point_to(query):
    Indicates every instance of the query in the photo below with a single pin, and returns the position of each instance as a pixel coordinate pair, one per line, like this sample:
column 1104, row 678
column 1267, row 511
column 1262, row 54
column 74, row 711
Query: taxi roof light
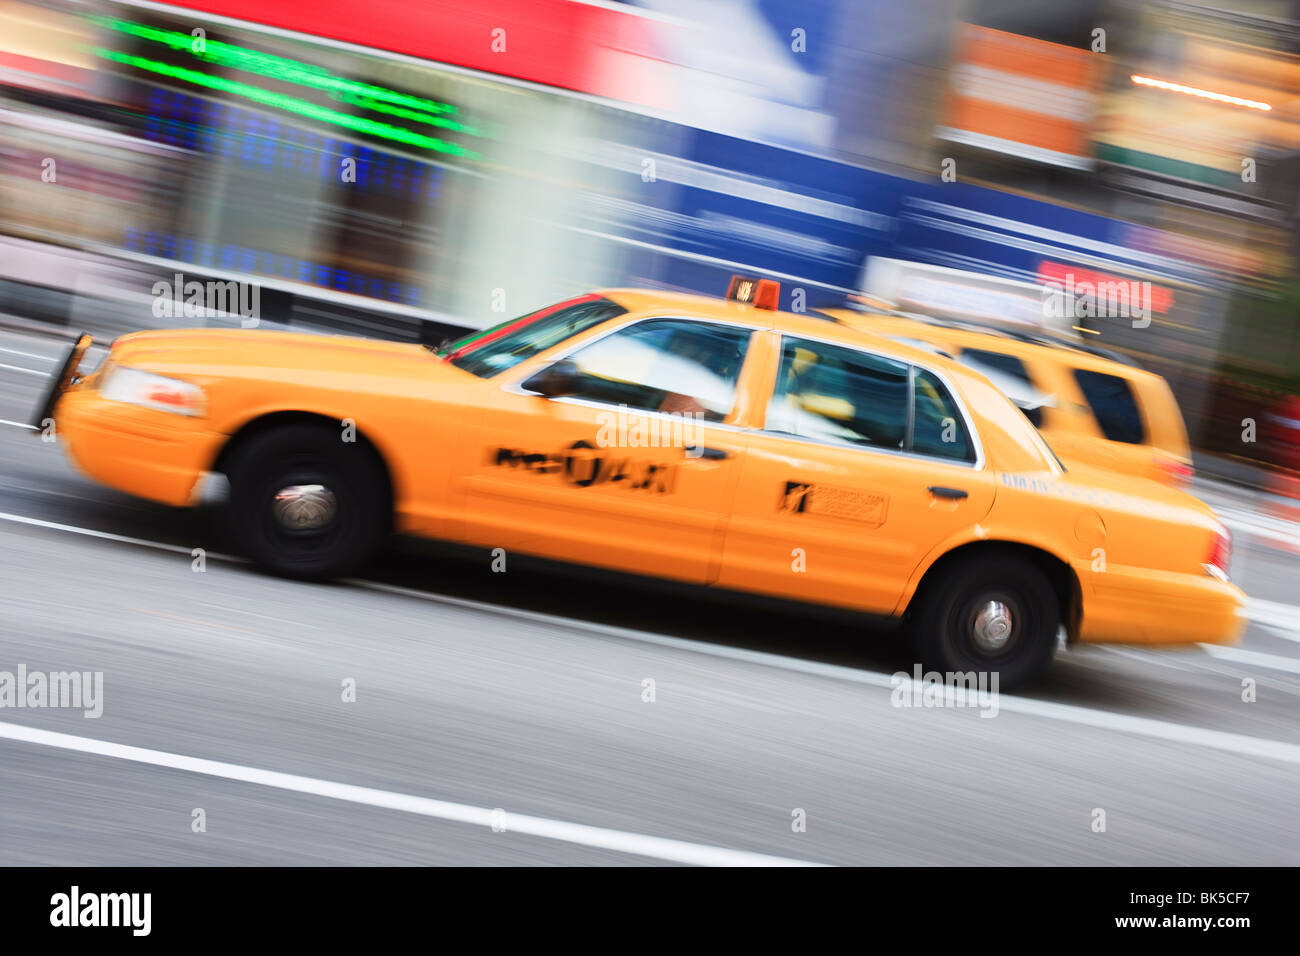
column 760, row 293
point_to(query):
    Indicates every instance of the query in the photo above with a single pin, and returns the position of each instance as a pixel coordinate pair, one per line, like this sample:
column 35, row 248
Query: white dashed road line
column 504, row 823
column 1281, row 619
column 1254, row 658
column 1270, row 528
column 104, row 535
column 41, row 358
column 30, row 371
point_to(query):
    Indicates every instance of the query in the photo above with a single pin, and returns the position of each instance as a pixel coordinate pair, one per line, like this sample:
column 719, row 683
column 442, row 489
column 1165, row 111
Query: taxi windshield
column 489, row 351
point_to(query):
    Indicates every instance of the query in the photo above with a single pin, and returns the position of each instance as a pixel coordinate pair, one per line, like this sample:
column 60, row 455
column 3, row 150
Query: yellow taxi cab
column 1093, row 406
column 708, row 441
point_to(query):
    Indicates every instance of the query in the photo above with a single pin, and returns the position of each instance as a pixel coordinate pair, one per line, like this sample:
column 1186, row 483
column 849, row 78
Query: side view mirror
column 557, row 379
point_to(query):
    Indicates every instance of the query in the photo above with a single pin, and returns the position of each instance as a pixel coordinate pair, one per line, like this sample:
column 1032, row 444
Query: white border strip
column 996, row 144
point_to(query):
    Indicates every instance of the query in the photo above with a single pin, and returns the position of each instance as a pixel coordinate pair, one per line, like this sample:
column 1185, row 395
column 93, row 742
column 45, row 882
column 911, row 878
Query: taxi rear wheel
column 305, row 504
column 985, row 614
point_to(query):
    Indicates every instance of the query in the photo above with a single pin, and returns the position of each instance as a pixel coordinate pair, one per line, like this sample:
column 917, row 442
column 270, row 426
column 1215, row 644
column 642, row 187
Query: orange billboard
column 1014, row 94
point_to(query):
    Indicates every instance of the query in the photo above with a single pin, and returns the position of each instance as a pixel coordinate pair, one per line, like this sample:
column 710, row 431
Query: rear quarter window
column 938, row 428
column 997, row 365
column 1113, row 404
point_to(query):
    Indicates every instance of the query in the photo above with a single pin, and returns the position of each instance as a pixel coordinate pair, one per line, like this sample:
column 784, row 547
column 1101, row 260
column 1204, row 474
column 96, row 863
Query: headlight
column 163, row 394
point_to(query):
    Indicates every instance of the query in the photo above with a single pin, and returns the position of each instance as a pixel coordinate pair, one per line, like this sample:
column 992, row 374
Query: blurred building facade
column 443, row 162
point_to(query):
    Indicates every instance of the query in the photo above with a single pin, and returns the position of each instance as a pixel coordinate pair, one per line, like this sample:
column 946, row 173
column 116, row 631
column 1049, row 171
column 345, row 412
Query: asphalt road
column 499, row 718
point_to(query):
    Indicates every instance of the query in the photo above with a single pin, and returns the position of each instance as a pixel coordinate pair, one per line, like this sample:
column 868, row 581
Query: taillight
column 1176, row 472
column 1220, row 556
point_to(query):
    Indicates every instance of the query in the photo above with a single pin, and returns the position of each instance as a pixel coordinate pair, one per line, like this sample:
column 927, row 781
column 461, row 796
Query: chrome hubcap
column 304, row 507
column 993, row 627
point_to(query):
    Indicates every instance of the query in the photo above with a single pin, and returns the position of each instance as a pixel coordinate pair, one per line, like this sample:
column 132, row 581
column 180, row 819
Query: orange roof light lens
column 760, row 293
column 1203, row 94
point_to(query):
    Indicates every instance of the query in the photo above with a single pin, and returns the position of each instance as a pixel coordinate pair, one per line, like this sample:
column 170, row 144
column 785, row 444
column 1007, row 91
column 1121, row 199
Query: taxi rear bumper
column 1140, row 606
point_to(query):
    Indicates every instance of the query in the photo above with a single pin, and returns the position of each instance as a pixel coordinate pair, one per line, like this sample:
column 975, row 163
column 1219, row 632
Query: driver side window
column 665, row 365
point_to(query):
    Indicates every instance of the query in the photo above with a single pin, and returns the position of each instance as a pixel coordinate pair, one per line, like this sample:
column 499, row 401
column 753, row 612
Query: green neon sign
column 367, row 103
column 291, row 104
column 272, row 67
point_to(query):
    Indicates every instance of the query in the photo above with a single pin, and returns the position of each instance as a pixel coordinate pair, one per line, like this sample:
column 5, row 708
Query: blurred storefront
column 391, row 169
column 1164, row 138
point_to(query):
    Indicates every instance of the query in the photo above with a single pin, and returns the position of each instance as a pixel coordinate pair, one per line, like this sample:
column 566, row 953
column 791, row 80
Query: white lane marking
column 108, row 536
column 1178, row 662
column 29, row 371
column 1201, row 665
column 43, row 358
column 1265, row 525
column 30, row 428
column 1269, row 526
column 620, row 841
column 1286, row 633
column 1255, row 658
column 1282, row 619
column 1240, row 744
column 1203, row 486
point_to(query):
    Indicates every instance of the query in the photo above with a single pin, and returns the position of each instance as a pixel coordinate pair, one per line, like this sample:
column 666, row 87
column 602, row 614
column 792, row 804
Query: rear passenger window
column 1011, row 377
column 937, row 425
column 1113, row 405
column 837, row 394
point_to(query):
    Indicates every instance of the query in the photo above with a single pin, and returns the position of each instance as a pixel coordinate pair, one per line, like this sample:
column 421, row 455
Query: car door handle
column 939, row 491
column 713, row 454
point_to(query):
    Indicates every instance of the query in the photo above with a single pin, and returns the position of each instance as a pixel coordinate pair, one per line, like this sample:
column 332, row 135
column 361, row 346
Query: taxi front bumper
column 141, row 451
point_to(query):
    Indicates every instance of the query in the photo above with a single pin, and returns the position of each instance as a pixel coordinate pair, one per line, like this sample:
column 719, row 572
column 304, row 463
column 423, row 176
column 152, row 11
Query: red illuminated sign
column 1072, row 277
column 557, row 42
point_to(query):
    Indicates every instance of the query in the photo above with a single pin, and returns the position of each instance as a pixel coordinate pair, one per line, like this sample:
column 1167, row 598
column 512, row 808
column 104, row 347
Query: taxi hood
column 218, row 352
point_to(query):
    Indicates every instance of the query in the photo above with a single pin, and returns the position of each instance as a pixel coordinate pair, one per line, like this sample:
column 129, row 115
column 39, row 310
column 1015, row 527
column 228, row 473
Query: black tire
column 352, row 517
column 947, row 610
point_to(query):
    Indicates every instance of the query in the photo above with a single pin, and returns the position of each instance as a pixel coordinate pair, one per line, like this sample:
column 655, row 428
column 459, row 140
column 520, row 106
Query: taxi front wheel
column 992, row 613
column 304, row 504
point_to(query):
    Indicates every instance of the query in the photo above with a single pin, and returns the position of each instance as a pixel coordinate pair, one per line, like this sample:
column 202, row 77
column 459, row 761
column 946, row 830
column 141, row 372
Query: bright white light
column 134, row 387
column 1203, row 94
